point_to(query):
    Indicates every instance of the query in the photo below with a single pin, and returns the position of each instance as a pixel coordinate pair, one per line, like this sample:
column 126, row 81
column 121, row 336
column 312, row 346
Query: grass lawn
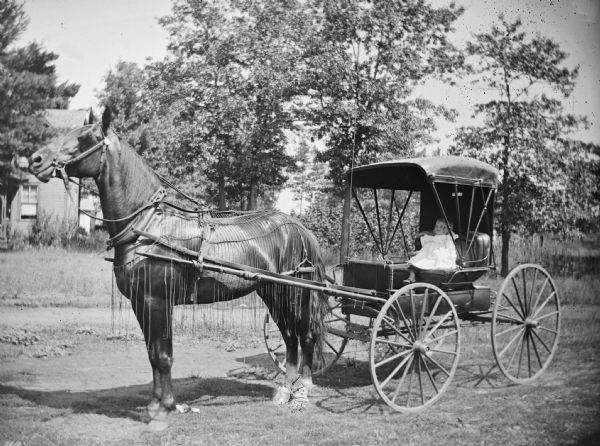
column 51, row 359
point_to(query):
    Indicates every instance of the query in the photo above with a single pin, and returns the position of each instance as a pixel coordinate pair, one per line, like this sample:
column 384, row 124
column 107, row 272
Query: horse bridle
column 61, row 166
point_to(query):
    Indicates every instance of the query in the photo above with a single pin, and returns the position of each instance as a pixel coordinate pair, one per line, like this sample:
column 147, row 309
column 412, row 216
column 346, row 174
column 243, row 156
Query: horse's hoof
column 158, row 425
column 308, row 383
column 153, row 408
column 282, row 396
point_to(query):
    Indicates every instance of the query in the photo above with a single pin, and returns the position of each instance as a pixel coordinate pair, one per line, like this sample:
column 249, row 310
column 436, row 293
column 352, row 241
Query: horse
column 143, row 226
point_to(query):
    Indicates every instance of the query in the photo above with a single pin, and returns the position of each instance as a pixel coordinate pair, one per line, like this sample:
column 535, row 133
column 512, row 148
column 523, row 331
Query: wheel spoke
column 406, row 324
column 539, row 295
column 531, row 291
column 512, row 358
column 518, row 296
column 508, row 319
column 391, row 358
column 542, row 342
column 508, row 330
column 414, row 316
column 445, row 335
column 528, row 353
column 554, row 332
column 438, row 365
column 525, row 307
column 420, row 379
column 433, row 310
column 423, row 309
column 412, row 368
column 447, row 352
column 521, row 353
column 537, row 354
column 513, row 306
column 335, row 318
column 393, row 343
column 387, row 319
column 337, row 353
column 402, row 378
column 519, row 335
column 396, row 370
column 277, row 348
column 449, row 313
column 547, row 315
column 430, row 375
column 550, row 296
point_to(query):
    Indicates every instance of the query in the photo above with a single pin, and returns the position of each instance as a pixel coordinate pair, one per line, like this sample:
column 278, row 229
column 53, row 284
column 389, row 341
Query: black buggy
column 414, row 330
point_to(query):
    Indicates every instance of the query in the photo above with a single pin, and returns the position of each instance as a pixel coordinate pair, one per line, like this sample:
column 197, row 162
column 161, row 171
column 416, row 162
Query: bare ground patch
column 96, row 392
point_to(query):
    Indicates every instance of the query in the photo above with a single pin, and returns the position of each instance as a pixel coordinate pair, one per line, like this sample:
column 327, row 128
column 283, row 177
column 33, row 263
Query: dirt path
column 69, row 380
column 96, row 361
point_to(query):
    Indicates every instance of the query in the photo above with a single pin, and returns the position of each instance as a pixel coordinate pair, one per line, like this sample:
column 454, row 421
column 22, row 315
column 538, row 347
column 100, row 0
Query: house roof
column 67, row 119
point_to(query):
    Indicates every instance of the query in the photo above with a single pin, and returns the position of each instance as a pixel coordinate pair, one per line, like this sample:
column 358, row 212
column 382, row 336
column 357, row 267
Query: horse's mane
column 134, row 166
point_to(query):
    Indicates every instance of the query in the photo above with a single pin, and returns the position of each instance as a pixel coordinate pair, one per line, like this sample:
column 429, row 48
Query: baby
column 437, row 252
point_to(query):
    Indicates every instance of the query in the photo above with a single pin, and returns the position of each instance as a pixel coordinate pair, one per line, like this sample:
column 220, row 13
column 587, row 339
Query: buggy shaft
column 268, row 276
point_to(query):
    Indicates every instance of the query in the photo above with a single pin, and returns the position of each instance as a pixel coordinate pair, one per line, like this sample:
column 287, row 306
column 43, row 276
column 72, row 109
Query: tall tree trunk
column 253, row 195
column 506, row 225
column 507, row 221
column 222, row 201
column 505, row 230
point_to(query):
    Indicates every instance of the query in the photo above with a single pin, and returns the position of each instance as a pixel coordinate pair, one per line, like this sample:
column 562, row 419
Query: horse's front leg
column 154, row 317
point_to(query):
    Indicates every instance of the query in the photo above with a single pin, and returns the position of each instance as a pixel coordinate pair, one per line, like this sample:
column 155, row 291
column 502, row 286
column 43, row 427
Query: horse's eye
column 72, row 150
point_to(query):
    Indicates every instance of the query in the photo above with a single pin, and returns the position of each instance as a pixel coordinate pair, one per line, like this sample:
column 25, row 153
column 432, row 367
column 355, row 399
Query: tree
column 362, row 63
column 122, row 93
column 28, row 85
column 525, row 133
column 233, row 62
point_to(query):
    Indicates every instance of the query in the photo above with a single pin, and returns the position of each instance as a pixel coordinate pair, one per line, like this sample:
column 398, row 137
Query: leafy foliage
column 363, row 61
column 28, row 85
column 231, row 66
column 546, row 182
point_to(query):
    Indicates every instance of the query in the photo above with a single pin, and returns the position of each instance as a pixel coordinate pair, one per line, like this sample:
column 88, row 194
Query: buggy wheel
column 420, row 324
column 525, row 323
column 333, row 346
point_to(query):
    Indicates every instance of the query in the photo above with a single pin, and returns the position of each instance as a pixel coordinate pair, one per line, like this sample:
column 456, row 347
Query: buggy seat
column 384, row 276
column 472, row 259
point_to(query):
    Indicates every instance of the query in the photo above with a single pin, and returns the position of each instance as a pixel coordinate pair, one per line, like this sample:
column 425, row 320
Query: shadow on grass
column 347, row 387
column 130, row 401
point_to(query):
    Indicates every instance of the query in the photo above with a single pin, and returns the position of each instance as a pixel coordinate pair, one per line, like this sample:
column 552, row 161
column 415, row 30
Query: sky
column 91, row 36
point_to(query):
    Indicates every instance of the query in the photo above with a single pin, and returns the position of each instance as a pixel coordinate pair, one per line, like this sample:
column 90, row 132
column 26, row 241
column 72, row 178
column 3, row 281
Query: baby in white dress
column 437, row 252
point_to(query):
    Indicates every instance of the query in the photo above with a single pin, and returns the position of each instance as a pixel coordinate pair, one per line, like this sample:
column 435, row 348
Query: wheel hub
column 531, row 323
column 421, row 347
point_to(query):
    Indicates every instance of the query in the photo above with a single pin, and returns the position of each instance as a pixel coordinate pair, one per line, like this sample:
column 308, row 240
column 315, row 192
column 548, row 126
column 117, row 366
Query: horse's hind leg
column 155, row 320
column 307, row 344
column 280, row 305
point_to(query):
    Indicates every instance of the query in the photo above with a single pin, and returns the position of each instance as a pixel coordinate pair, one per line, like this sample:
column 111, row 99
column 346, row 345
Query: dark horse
column 132, row 200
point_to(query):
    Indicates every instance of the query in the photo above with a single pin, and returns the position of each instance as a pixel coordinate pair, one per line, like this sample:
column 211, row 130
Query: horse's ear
column 91, row 119
column 106, row 119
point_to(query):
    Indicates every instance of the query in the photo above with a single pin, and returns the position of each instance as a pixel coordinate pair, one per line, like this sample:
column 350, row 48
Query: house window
column 29, row 201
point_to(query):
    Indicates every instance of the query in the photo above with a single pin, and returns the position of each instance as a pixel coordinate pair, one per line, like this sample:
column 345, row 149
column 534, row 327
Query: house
column 23, row 197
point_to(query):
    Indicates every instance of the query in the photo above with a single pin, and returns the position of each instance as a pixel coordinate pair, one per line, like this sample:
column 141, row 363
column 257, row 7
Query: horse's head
column 79, row 153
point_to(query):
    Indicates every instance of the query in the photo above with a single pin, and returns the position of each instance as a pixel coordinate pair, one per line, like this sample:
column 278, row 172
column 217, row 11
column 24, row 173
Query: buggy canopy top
column 417, row 173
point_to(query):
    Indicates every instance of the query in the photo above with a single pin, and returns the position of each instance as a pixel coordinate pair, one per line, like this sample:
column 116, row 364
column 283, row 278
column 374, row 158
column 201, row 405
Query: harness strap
column 117, row 239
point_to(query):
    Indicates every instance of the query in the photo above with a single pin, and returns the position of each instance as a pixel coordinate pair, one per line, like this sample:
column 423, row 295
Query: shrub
column 47, row 231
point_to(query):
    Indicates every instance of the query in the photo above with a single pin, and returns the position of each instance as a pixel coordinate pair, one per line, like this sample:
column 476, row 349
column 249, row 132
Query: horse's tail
column 318, row 308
